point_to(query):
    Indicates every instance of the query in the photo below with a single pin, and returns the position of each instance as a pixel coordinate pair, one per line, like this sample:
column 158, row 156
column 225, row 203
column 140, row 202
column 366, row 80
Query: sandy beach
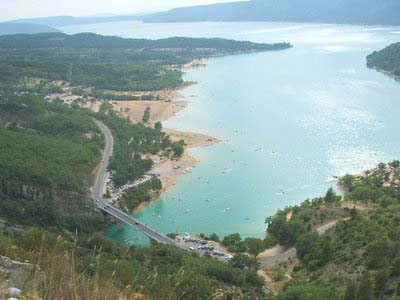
column 173, row 103
column 169, row 170
column 159, row 110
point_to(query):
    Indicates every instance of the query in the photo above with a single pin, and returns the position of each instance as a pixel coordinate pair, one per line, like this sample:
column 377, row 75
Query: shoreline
column 168, row 171
column 174, row 102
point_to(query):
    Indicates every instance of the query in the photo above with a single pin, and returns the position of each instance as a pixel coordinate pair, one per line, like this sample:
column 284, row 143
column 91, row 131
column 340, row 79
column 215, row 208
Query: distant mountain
column 27, row 28
column 60, row 21
column 368, row 12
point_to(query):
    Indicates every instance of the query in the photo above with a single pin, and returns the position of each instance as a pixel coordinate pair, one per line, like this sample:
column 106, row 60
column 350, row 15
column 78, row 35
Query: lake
column 289, row 121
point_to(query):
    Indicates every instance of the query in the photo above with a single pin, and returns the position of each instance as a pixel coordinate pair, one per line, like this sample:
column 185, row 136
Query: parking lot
column 204, row 247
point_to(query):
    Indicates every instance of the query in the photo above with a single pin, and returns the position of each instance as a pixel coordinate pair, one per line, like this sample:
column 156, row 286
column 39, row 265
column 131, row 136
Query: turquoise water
column 289, row 120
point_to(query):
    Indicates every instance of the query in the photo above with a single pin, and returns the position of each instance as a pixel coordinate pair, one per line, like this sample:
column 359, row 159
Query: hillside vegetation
column 358, row 260
column 387, row 59
column 109, row 63
column 47, row 155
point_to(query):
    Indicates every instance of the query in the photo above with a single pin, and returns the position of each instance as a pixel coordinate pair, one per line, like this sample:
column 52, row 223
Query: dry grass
column 59, row 279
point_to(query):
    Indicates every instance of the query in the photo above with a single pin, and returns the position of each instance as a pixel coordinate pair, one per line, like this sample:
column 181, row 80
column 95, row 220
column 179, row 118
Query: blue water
column 289, row 121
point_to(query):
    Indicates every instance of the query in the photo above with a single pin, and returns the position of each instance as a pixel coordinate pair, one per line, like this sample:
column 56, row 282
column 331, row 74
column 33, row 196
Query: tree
column 243, row 261
column 299, row 290
column 286, row 232
column 305, row 242
column 254, row 246
column 213, row 237
column 351, row 292
column 146, row 115
column 156, row 184
column 158, row 126
column 348, row 182
column 331, row 197
column 396, row 267
column 231, row 240
column 381, row 279
column 178, row 149
column 365, row 291
column 353, row 213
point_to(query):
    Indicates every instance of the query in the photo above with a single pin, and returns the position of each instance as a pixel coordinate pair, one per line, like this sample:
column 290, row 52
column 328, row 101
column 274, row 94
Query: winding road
column 100, row 186
column 292, row 253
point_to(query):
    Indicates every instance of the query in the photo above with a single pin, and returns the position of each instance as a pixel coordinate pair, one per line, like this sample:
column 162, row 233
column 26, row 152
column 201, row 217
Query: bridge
column 99, row 188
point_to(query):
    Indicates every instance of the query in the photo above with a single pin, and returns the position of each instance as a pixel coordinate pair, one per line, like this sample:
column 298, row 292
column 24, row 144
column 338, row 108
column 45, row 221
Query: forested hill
column 106, row 62
column 387, row 60
column 27, row 28
column 91, row 40
column 60, row 21
column 360, row 258
column 371, row 12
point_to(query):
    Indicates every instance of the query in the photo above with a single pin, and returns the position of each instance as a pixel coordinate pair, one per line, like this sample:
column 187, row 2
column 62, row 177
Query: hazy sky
column 13, row 9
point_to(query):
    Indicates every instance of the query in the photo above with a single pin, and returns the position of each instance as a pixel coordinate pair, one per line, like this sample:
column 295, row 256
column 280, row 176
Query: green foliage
column 141, row 193
column 234, row 243
column 118, row 97
column 351, row 292
column 178, row 148
column 331, row 197
column 305, row 242
column 278, row 275
column 212, row 237
column 146, row 115
column 158, row 126
column 254, row 246
column 131, row 142
column 49, row 144
column 365, row 291
column 347, row 182
column 286, row 231
column 363, row 250
column 243, row 261
column 297, row 290
column 387, row 59
column 92, row 60
column 158, row 271
column 270, row 241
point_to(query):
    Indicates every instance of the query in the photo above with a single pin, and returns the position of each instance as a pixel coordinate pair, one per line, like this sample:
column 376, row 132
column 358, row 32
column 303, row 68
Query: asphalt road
column 291, row 253
column 99, row 188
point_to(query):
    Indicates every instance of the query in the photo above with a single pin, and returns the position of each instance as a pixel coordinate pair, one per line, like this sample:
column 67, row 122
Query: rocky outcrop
column 14, row 274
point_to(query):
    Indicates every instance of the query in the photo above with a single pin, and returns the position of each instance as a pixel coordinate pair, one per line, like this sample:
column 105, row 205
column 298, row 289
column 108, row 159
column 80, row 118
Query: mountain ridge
column 367, row 12
column 25, row 28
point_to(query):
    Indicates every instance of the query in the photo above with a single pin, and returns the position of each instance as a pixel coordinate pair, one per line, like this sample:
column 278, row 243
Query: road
column 291, row 253
column 100, row 186
column 101, row 180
